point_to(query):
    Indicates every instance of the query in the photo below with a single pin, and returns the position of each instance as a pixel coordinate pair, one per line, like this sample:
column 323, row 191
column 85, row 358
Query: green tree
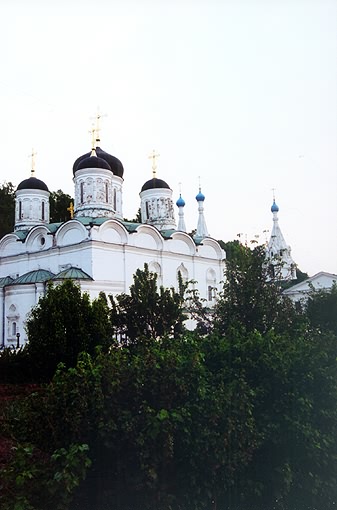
column 7, row 208
column 35, row 481
column 251, row 297
column 59, row 203
column 165, row 427
column 321, row 309
column 63, row 324
column 148, row 312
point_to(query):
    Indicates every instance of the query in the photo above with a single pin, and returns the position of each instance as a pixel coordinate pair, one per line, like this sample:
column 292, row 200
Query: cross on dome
column 154, row 156
column 97, row 118
column 32, row 156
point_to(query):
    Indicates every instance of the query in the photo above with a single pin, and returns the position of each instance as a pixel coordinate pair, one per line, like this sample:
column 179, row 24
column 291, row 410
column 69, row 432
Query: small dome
column 32, row 183
column 93, row 162
column 114, row 164
column 180, row 202
column 274, row 207
column 37, row 276
column 200, row 197
column 155, row 183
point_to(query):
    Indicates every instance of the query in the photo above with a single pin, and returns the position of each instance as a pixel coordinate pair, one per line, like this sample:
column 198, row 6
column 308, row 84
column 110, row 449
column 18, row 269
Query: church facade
column 97, row 247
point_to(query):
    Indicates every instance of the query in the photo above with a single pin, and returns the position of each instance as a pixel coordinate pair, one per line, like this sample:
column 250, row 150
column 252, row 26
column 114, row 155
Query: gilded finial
column 32, row 156
column 71, row 210
column 97, row 118
column 93, row 138
column 154, row 156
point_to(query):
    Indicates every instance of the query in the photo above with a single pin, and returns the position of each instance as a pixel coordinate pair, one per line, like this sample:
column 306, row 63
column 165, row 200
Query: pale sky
column 242, row 93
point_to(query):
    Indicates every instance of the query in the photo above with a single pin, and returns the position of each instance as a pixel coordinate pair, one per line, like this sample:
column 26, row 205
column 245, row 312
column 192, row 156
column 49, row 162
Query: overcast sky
column 240, row 93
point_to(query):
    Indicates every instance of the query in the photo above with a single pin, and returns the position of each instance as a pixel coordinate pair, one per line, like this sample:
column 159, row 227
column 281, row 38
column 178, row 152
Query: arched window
column 211, row 284
column 184, row 273
column 154, row 267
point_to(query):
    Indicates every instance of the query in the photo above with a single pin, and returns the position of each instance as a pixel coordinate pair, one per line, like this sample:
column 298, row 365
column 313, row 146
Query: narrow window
column 82, row 191
column 42, row 212
column 210, row 296
column 147, row 210
column 20, row 209
column 115, row 199
column 106, row 192
column 13, row 328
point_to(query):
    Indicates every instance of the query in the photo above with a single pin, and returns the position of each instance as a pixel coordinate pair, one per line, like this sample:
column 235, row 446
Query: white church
column 102, row 251
column 97, row 247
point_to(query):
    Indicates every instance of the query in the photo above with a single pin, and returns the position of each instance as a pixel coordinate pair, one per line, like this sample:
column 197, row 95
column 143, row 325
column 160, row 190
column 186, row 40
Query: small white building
column 320, row 281
column 97, row 247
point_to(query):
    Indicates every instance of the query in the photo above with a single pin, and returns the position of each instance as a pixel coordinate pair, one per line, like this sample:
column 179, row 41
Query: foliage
column 251, row 298
column 245, row 420
column 233, row 249
column 15, row 366
column 146, row 311
column 7, row 208
column 59, row 203
column 294, row 380
column 63, row 324
column 36, row 481
column 321, row 309
column 163, row 427
column 243, row 415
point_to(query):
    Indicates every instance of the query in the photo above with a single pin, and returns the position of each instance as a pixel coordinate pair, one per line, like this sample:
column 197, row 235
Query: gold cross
column 71, row 210
column 93, row 139
column 98, row 126
column 154, row 156
column 32, row 155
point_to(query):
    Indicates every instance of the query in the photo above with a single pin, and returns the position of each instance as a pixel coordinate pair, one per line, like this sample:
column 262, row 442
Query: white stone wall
column 110, row 255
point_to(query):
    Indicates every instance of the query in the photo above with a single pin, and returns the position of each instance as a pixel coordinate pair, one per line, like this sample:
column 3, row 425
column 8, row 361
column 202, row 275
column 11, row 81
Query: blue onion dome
column 115, row 166
column 200, row 196
column 155, row 183
column 180, row 202
column 32, row 183
column 274, row 207
column 93, row 162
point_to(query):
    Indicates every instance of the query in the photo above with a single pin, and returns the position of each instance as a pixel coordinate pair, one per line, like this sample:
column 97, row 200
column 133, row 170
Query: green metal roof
column 73, row 273
column 167, row 234
column 6, row 280
column 21, row 234
column 38, row 276
column 130, row 227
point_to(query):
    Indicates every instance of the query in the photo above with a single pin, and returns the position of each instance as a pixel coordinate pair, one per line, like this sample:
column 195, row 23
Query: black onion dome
column 155, row 183
column 32, row 183
column 93, row 162
column 114, row 164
